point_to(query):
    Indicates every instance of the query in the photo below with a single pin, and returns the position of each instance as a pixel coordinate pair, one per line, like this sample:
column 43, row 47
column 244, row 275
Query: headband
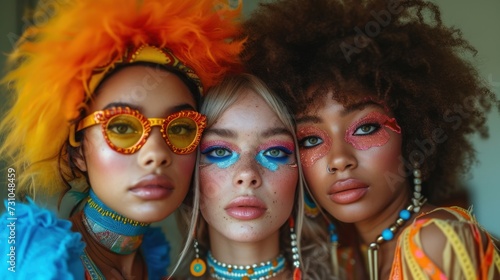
column 144, row 53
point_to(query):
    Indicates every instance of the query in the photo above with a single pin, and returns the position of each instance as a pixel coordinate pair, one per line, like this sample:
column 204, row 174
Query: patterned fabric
column 468, row 252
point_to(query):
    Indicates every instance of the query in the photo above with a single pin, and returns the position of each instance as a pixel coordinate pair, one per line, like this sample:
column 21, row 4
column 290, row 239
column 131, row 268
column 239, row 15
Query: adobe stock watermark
column 372, row 29
column 11, row 219
column 427, row 147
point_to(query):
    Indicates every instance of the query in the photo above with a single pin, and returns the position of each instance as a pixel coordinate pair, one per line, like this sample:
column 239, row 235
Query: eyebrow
column 229, row 133
column 174, row 109
column 359, row 106
column 308, row 119
column 275, row 131
column 220, row 132
column 122, row 104
column 347, row 110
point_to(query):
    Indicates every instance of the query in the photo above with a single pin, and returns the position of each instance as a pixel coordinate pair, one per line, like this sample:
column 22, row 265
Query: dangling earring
column 297, row 273
column 418, row 199
column 198, row 265
column 310, row 208
column 334, row 243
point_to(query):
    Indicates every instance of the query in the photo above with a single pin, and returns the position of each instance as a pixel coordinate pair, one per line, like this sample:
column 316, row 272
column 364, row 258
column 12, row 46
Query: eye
column 122, row 128
column 367, row 129
column 310, row 141
column 217, row 152
column 277, row 153
column 180, row 129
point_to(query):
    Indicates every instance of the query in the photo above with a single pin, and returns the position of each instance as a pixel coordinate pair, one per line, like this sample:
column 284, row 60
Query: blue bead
column 331, row 227
column 334, row 238
column 404, row 214
column 387, row 234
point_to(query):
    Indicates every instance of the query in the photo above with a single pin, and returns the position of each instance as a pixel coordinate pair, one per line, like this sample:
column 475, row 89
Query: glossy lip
column 152, row 187
column 347, row 191
column 246, row 208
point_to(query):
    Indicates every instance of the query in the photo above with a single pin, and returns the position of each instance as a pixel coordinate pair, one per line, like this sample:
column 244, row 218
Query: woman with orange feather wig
column 88, row 88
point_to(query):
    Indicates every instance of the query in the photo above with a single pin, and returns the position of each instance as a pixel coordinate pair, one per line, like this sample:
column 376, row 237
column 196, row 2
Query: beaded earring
column 334, row 243
column 310, row 208
column 297, row 273
column 198, row 265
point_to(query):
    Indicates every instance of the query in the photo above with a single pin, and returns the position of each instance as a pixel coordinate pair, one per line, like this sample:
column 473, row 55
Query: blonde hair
column 216, row 102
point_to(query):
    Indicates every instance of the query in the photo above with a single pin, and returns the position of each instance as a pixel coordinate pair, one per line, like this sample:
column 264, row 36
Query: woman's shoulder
column 443, row 226
column 452, row 213
column 39, row 244
column 447, row 233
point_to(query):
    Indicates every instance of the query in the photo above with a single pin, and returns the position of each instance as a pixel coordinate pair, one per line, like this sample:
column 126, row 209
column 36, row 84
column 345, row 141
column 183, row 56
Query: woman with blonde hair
column 249, row 190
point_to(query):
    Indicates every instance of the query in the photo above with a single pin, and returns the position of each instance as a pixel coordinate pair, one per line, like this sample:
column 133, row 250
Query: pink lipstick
column 246, row 208
column 347, row 191
column 152, row 187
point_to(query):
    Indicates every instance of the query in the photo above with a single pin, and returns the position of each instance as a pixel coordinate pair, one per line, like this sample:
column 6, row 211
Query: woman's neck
column 112, row 245
column 255, row 259
column 113, row 231
column 372, row 227
column 243, row 252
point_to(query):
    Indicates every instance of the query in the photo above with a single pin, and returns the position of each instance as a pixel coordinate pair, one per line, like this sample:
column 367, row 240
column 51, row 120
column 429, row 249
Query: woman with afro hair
column 374, row 87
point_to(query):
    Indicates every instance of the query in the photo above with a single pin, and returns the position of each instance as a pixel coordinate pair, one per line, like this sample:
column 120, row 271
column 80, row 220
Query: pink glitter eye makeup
column 314, row 144
column 369, row 131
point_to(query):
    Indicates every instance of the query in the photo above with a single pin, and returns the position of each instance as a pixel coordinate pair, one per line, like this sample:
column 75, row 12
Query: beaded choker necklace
column 114, row 231
column 263, row 270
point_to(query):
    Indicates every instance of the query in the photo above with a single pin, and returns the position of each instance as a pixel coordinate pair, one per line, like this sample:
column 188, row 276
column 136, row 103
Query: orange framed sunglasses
column 127, row 130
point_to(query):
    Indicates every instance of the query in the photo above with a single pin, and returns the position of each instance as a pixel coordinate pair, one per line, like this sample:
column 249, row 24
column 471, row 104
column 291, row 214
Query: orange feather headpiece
column 61, row 61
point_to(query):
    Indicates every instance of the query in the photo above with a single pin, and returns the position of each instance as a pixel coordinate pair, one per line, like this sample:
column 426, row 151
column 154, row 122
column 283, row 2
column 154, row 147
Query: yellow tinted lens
column 124, row 131
column 181, row 132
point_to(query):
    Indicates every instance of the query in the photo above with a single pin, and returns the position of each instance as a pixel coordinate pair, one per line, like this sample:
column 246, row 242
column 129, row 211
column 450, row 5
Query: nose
column 247, row 173
column 155, row 152
column 342, row 157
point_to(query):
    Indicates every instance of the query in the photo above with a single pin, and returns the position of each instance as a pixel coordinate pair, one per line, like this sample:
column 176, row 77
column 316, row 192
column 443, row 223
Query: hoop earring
column 329, row 170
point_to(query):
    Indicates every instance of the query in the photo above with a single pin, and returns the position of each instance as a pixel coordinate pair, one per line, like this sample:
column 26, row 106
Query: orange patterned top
column 468, row 251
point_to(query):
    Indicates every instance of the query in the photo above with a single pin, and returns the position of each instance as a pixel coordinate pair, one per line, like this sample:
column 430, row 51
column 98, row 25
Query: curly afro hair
column 397, row 51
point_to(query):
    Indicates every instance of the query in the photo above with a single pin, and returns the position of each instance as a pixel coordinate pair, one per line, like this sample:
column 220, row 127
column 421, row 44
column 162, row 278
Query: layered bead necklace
column 388, row 234
column 263, row 270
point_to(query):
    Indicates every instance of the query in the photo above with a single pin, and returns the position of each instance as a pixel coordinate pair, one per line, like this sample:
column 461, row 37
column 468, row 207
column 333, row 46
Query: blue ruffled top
column 42, row 246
